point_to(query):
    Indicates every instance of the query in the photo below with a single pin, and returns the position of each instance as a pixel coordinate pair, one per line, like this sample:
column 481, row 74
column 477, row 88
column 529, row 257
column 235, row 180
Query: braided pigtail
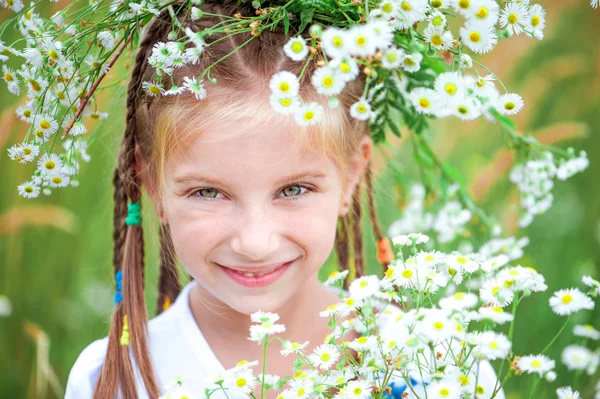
column 385, row 255
column 359, row 259
column 129, row 322
column 168, row 281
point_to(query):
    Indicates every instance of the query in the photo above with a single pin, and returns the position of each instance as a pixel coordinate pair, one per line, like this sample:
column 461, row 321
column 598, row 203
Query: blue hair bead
column 119, row 295
column 133, row 214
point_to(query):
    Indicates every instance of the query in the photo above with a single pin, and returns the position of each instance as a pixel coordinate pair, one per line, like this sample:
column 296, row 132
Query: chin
column 252, row 304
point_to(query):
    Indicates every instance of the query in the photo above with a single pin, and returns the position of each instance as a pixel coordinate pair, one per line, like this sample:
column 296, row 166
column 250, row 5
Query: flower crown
column 416, row 70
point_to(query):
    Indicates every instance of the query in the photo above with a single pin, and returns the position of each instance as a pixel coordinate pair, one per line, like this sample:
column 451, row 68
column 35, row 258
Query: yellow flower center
column 450, row 88
column 309, row 115
column 459, row 296
column 53, row 54
column 364, row 283
column 535, row 20
column 361, row 40
column 8, row 77
column 27, row 151
column 332, row 274
column 423, row 102
column 438, row 325
column 436, row 3
column 513, row 18
column 325, row 357
column 464, row 4
column 301, row 391
column 406, row 6
column 362, row 340
column 297, row 47
column 28, row 189
column 475, row 37
column 407, row 273
column 482, row 13
column 463, row 379
column 338, row 42
column 345, row 67
column 56, row 180
column 509, row 106
column 284, row 86
column 493, row 345
column 566, row 299
column 480, row 390
column 387, row 8
column 27, row 113
column 495, row 291
column 409, row 61
column 437, row 21
column 357, row 391
column 154, row 89
column 285, row 102
column 241, row 382
column 463, row 110
column 389, row 272
column 444, row 392
column 436, row 40
column 50, row 165
column 391, row 57
column 536, row 363
column 328, row 81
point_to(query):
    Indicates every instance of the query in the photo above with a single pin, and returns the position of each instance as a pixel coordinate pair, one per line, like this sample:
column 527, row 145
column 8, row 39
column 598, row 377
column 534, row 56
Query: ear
column 356, row 168
column 142, row 171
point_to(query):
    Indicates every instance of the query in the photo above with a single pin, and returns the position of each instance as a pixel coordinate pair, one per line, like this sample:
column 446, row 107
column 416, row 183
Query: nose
column 255, row 234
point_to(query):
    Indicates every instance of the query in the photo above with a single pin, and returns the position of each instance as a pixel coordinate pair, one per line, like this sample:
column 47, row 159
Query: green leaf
column 331, row 323
column 286, row 22
column 394, row 128
column 306, row 17
column 298, row 364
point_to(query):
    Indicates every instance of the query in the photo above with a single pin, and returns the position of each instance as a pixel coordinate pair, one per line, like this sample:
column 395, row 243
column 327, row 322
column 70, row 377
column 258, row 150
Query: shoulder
column 86, row 370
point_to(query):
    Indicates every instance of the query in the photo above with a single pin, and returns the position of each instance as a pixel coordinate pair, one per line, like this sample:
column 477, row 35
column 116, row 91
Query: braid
column 117, row 371
column 341, row 243
column 385, row 254
column 359, row 260
column 168, row 282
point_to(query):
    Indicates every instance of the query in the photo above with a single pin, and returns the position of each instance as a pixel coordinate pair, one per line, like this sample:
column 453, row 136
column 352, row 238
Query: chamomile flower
column 412, row 62
column 335, row 42
column 284, row 84
column 362, row 40
column 464, row 263
column 358, row 389
column 568, row 301
column 392, row 58
column 465, row 107
column 437, row 19
column 510, row 104
column 466, row 61
column 264, row 317
column 463, row 7
column 536, row 18
column 459, row 300
column 494, row 263
column 444, row 389
column 494, row 313
column 383, row 34
column 540, row 364
column 283, row 105
column 595, row 4
column 410, row 239
column 331, row 310
column 577, row 357
column 106, row 39
column 327, row 82
column 388, row 8
column 308, row 114
column 590, row 282
column 480, row 38
column 325, row 356
column 50, row 163
column 494, row 293
column 243, row 381
column 439, row 38
column 361, row 110
column 11, row 79
column 29, row 189
column 404, row 277
column 587, row 331
column 436, row 326
column 336, row 276
column 364, row 287
column 174, row 90
column 153, row 89
column 296, row 48
column 567, row 393
column 292, row 347
column 58, row 180
column 346, row 68
column 450, row 85
column 178, row 393
column 412, row 11
column 486, row 12
column 514, row 17
column 192, row 85
column 490, row 345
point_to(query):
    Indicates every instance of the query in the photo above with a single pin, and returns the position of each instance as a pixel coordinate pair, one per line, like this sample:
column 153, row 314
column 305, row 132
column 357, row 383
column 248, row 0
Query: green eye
column 211, row 192
column 292, row 190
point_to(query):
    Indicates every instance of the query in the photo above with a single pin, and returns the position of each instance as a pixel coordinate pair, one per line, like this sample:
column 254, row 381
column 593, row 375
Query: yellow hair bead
column 125, row 333
column 166, row 302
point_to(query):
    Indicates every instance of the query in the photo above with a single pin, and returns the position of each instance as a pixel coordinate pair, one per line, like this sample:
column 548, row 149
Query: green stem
column 557, row 335
column 534, row 386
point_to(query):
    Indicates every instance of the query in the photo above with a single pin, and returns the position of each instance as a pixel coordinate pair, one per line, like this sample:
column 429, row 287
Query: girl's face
column 250, row 203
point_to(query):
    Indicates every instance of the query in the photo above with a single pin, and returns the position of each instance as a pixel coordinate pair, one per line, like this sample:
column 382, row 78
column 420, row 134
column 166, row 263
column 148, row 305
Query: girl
column 249, row 202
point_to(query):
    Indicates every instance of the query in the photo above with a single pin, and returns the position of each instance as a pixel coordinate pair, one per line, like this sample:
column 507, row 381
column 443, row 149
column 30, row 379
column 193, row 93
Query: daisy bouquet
column 427, row 329
column 417, row 69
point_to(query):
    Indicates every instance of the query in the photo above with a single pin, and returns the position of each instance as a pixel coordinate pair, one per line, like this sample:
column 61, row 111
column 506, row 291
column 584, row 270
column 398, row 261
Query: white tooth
column 248, row 274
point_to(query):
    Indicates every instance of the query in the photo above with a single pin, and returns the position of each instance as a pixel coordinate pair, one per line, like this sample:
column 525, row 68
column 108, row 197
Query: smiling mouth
column 257, row 279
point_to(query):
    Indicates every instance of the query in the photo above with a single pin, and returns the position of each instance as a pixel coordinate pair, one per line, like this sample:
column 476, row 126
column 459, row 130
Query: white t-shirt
column 177, row 349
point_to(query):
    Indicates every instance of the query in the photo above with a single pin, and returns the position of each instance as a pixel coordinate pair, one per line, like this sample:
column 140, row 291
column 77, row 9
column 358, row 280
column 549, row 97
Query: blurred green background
column 56, row 251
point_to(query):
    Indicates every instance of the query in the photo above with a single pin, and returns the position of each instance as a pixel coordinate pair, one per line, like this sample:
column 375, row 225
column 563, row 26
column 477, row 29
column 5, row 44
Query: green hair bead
column 133, row 214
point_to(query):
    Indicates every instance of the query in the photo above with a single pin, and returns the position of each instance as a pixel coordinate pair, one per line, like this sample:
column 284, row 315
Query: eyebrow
column 208, row 180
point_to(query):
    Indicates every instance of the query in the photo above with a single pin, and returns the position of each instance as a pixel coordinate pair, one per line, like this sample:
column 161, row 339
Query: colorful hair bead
column 133, row 214
column 125, row 333
column 119, row 293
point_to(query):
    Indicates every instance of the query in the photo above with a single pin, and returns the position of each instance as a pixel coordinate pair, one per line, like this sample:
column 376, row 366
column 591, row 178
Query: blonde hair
column 160, row 126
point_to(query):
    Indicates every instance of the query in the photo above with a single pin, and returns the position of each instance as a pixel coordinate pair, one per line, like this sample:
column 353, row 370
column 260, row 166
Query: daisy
column 491, row 345
column 587, row 331
column 383, row 33
column 331, row 310
column 363, row 343
column 361, row 110
column 95, row 63
column 174, row 90
column 412, row 62
column 29, row 189
column 346, row 68
column 46, row 124
column 11, row 80
column 464, row 263
column 192, row 55
column 404, row 277
column 577, row 357
column 495, row 314
column 58, row 180
column 494, row 293
column 266, row 328
column 325, row 356
column 513, row 17
column 435, row 326
column 326, row 81
column 568, row 301
column 50, row 163
column 268, row 379
column 479, row 38
column 465, row 108
column 336, row 276
column 463, row 7
column 438, row 38
column 567, row 393
column 450, row 85
column 485, row 12
column 364, row 287
column 540, row 364
column 242, row 381
column 409, row 239
column 362, row 40
column 192, row 85
column 284, row 84
column 241, row 365
column 195, row 38
column 392, row 58
column 494, row 263
column 358, row 389
column 590, row 282
column 179, row 393
column 153, row 89
column 510, row 104
column 296, row 48
column 292, row 347
column 595, row 4
column 26, row 111
column 106, row 39
column 388, row 8
column 308, row 114
column 283, row 105
column 411, row 11
column 536, row 18
column 444, row 389
column 466, row 61
column 459, row 300
column 335, row 42
column 439, row 4
column 264, row 317
column 437, row 19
